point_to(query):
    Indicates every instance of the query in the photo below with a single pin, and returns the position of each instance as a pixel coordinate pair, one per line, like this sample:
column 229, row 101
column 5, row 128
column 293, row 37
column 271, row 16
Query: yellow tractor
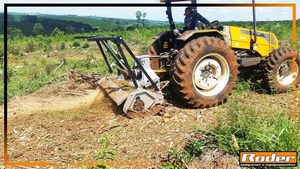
column 202, row 65
column 205, row 62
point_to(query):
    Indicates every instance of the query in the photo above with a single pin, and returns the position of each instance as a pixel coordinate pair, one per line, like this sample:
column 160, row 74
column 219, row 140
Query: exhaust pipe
column 254, row 24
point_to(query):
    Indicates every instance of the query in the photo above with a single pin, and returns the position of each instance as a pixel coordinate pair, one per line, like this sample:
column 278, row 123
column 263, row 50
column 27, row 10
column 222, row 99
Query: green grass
column 37, row 72
column 28, row 75
column 242, row 127
column 248, row 129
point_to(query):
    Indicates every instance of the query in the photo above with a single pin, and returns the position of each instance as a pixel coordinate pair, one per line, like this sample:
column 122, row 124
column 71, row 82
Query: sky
column 158, row 13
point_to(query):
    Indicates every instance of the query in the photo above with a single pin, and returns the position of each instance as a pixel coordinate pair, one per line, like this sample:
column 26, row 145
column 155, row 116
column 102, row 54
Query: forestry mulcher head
column 137, row 89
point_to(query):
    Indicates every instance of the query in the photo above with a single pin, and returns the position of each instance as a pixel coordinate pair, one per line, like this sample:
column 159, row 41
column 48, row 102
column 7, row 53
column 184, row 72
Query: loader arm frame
column 119, row 56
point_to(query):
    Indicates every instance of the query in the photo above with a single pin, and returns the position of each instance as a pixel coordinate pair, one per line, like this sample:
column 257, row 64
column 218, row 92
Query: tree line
column 30, row 25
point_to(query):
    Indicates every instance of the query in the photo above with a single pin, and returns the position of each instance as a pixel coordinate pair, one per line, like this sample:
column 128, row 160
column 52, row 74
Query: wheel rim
column 285, row 73
column 211, row 74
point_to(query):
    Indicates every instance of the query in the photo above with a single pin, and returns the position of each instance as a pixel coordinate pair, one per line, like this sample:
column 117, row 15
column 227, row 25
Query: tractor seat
column 220, row 28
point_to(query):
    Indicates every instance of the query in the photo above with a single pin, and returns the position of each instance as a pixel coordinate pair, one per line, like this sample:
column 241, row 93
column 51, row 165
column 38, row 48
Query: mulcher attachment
column 139, row 92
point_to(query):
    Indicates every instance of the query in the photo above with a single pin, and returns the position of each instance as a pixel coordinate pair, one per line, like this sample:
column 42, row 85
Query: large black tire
column 279, row 62
column 195, row 53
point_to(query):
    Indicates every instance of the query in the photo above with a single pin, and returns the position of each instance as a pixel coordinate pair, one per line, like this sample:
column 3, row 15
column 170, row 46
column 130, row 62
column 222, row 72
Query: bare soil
column 63, row 121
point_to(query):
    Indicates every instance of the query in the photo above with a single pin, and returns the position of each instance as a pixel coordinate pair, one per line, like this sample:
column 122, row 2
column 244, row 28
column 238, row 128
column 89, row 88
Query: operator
column 193, row 16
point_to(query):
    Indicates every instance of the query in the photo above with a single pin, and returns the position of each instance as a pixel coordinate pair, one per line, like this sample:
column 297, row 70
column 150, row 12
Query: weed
column 62, row 46
column 86, row 45
column 10, row 73
column 242, row 86
column 30, row 47
column 76, row 44
column 15, row 50
column 195, row 147
column 104, row 153
column 49, row 67
column 47, row 45
column 179, row 160
column 251, row 80
column 247, row 129
column 1, row 55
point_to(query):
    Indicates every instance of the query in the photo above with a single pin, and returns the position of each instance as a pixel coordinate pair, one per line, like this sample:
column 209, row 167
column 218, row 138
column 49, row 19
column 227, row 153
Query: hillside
column 105, row 23
column 70, row 24
column 33, row 25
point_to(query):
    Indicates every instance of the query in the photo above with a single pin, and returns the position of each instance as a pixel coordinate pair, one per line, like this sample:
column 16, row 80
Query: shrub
column 76, row 44
column 62, row 46
column 30, row 47
column 105, row 153
column 47, row 45
column 86, row 45
column 40, row 45
column 15, row 50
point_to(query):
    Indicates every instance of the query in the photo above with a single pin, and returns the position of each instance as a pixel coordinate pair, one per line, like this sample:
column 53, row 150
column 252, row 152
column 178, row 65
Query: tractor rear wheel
column 281, row 71
column 205, row 72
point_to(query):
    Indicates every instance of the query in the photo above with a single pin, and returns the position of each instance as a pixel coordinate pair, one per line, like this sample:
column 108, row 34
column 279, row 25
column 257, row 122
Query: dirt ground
column 63, row 122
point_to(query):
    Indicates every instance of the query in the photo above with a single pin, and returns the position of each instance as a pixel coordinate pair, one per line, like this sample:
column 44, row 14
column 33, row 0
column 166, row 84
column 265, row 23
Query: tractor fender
column 162, row 43
column 194, row 34
column 161, row 34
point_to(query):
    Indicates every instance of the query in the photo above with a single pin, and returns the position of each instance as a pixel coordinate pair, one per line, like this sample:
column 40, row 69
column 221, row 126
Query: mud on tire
column 154, row 62
column 278, row 70
column 190, row 62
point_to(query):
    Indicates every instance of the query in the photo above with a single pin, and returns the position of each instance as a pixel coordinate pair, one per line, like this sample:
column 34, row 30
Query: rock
column 18, row 67
column 18, row 155
column 167, row 115
column 54, row 53
column 32, row 135
column 83, row 52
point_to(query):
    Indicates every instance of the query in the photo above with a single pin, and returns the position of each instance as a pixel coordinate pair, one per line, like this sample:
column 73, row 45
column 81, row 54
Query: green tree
column 14, row 33
column 29, row 19
column 38, row 29
column 70, row 30
column 144, row 16
column 57, row 32
column 140, row 17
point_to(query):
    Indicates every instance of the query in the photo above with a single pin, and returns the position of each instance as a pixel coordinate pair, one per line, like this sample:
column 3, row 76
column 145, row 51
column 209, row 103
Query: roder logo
column 266, row 158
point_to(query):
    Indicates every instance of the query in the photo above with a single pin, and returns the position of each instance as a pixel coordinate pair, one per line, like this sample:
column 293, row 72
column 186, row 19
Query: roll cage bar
column 194, row 2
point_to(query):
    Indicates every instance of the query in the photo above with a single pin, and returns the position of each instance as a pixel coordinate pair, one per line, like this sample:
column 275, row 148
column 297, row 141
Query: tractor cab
column 175, row 39
column 248, row 43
